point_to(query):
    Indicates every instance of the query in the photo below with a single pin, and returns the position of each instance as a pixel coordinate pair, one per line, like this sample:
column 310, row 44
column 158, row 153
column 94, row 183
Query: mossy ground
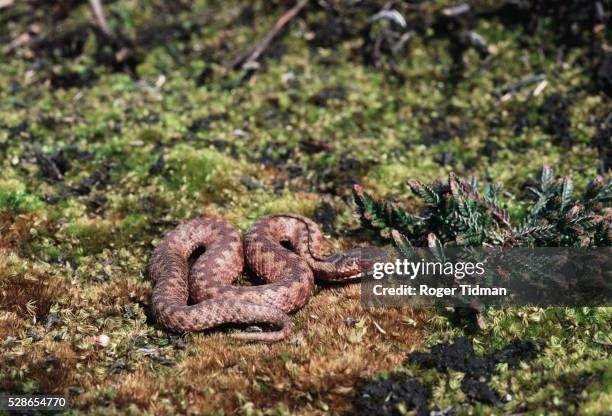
column 139, row 152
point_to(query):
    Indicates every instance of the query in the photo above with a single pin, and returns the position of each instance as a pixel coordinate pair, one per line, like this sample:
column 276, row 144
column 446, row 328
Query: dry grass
column 336, row 344
column 26, row 288
column 15, row 229
column 51, row 363
column 10, row 324
column 314, row 370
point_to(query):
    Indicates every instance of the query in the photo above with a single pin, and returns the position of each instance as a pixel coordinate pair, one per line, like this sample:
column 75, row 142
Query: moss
column 203, row 171
column 391, row 178
column 296, row 203
column 14, row 198
column 134, row 225
column 171, row 134
column 89, row 236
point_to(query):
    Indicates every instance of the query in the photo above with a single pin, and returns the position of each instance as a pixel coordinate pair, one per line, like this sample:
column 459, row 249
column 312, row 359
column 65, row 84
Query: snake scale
column 284, row 251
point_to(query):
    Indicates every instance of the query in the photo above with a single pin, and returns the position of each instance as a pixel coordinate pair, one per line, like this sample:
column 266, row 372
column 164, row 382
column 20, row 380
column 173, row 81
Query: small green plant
column 15, row 199
column 12, row 201
column 458, row 213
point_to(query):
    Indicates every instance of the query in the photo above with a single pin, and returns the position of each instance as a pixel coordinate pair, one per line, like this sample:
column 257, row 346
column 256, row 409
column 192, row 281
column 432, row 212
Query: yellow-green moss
column 203, row 171
column 171, row 144
column 13, row 197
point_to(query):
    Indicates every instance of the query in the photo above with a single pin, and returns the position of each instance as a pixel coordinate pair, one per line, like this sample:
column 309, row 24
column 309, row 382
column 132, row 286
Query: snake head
column 346, row 265
column 356, row 262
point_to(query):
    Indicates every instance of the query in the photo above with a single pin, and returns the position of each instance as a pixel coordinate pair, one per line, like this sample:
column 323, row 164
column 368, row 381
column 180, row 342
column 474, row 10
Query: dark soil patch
column 65, row 80
column 490, row 150
column 604, row 73
column 49, row 168
column 54, row 167
column 557, row 123
column 337, row 179
column 326, row 215
column 384, row 396
column 460, row 356
column 440, row 130
column 445, row 158
column 575, row 384
column 204, row 123
column 331, row 32
column 601, row 141
column 327, row 94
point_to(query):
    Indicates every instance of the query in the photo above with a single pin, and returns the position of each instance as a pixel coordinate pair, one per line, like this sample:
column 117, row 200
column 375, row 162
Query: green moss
column 180, row 102
column 203, row 171
column 89, row 236
column 150, row 136
column 134, row 225
column 14, row 198
column 300, row 204
column 391, row 177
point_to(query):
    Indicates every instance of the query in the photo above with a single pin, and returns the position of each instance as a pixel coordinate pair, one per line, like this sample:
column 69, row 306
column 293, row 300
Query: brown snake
column 285, row 251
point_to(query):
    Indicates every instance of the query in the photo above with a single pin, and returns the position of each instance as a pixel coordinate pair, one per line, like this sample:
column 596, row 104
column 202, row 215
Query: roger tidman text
column 439, row 292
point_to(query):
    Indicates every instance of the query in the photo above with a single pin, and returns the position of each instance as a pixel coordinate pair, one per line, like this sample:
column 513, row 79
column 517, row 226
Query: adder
column 284, row 251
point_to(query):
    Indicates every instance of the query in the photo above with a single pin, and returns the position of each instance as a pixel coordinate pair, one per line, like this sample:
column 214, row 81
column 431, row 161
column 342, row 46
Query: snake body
column 284, row 251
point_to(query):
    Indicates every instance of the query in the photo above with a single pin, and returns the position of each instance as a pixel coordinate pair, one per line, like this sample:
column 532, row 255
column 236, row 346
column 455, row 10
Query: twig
column 98, row 11
column 509, row 90
column 602, row 342
column 391, row 15
column 26, row 39
column 250, row 57
column 539, row 88
column 456, row 10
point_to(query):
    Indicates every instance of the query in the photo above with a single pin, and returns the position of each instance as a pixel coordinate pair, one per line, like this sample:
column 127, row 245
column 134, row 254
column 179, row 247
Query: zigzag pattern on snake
column 285, row 251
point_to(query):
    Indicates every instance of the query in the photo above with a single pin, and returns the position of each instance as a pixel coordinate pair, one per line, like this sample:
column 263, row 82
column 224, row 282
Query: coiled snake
column 285, row 251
